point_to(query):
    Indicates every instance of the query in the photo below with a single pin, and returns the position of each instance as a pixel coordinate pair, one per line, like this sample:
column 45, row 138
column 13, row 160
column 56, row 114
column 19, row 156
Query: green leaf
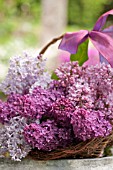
column 54, row 76
column 82, row 53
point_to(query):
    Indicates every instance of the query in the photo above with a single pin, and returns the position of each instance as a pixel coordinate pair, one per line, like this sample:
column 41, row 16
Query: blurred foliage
column 3, row 96
column 26, row 8
column 106, row 8
column 19, row 18
column 85, row 12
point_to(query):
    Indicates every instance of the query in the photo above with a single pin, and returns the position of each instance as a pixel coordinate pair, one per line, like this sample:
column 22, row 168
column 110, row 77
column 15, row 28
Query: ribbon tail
column 102, row 20
column 104, row 44
column 71, row 41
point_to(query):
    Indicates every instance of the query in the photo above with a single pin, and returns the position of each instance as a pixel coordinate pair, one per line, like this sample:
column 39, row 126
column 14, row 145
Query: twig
column 50, row 43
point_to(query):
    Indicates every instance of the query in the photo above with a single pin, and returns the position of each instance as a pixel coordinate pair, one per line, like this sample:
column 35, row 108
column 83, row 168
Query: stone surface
column 67, row 164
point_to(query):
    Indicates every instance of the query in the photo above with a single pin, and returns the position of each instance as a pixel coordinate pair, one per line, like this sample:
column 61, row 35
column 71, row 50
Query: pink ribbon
column 101, row 39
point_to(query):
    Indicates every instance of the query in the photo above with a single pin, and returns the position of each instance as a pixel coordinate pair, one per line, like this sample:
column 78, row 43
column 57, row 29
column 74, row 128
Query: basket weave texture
column 93, row 148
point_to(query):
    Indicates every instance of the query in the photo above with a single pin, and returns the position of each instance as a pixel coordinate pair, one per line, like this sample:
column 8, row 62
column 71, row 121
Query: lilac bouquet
column 48, row 113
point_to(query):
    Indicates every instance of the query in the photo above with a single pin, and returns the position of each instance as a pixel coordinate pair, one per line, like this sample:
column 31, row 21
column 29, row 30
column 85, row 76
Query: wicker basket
column 89, row 149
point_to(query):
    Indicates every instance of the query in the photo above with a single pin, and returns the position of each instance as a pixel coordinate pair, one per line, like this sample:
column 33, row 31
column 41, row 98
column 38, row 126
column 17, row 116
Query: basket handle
column 49, row 44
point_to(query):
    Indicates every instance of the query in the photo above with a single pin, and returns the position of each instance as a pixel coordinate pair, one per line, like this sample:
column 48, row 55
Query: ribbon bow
column 101, row 39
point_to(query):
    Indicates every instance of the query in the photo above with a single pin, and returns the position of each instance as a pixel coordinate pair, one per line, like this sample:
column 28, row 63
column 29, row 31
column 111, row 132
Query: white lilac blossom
column 12, row 140
column 42, row 81
column 24, row 72
column 3, row 141
column 16, row 144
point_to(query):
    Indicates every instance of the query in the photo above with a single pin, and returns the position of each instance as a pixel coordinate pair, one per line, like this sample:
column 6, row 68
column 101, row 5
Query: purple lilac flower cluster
column 61, row 110
column 47, row 136
column 90, row 90
column 51, row 114
column 88, row 87
column 89, row 124
column 6, row 112
column 23, row 105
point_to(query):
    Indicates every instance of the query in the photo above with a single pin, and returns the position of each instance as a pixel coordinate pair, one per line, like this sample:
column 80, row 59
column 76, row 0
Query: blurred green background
column 22, row 17
column 20, row 23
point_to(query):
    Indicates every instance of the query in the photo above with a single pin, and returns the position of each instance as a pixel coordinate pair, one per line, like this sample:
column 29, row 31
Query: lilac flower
column 56, row 89
column 26, row 70
column 101, row 86
column 43, row 81
column 62, row 110
column 32, row 106
column 43, row 99
column 65, row 74
column 6, row 112
column 89, row 124
column 24, row 105
column 12, row 140
column 81, row 95
column 17, row 146
column 87, row 87
column 67, row 69
column 47, row 136
column 3, row 141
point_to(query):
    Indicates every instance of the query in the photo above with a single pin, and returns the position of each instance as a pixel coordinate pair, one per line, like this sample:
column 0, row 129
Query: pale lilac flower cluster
column 42, row 81
column 80, row 94
column 47, row 136
column 12, row 139
column 3, row 141
column 66, row 72
column 25, row 71
column 89, row 124
column 18, row 148
column 100, row 79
